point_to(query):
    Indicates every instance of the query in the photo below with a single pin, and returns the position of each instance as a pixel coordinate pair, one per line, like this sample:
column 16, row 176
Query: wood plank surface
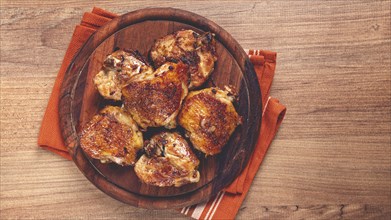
column 330, row 159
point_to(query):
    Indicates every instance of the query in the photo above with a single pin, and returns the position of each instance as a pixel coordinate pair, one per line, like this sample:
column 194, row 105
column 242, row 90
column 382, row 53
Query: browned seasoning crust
column 195, row 50
column 209, row 118
column 118, row 69
column 154, row 100
column 112, row 136
column 168, row 161
column 185, row 59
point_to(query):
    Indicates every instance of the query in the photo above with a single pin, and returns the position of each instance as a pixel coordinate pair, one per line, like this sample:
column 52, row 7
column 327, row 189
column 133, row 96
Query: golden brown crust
column 209, row 118
column 168, row 161
column 154, row 100
column 195, row 50
column 112, row 135
column 117, row 70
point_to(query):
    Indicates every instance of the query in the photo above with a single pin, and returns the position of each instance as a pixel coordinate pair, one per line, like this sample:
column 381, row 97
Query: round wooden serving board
column 138, row 30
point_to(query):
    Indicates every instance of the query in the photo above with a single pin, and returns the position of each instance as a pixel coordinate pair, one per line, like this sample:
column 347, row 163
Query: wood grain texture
column 139, row 30
column 332, row 155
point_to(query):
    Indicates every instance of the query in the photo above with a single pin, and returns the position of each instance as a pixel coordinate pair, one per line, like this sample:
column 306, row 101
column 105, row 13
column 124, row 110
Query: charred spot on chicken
column 198, row 51
column 118, row 69
column 168, row 161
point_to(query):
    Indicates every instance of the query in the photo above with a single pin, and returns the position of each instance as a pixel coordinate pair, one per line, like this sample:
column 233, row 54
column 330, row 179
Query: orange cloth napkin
column 50, row 136
column 227, row 203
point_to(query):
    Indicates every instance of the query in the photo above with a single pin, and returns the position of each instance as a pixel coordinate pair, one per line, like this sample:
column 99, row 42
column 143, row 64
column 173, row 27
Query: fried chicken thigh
column 118, row 68
column 112, row 135
column 195, row 50
column 168, row 161
column 209, row 118
column 154, row 100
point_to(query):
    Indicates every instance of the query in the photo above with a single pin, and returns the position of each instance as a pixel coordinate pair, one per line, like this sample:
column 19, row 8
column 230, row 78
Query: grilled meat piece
column 154, row 100
column 209, row 118
column 168, row 161
column 112, row 135
column 118, row 68
column 197, row 51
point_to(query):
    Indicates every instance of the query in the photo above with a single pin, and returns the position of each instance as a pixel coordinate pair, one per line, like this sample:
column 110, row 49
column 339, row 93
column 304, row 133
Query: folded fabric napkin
column 50, row 136
column 226, row 204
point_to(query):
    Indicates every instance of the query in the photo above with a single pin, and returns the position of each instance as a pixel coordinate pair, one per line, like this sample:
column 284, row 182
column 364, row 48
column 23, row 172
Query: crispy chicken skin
column 168, row 161
column 154, row 100
column 209, row 118
column 118, row 68
column 112, row 136
column 197, row 51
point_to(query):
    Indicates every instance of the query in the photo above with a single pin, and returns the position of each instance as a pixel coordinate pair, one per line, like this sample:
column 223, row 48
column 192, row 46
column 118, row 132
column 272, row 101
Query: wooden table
column 330, row 159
